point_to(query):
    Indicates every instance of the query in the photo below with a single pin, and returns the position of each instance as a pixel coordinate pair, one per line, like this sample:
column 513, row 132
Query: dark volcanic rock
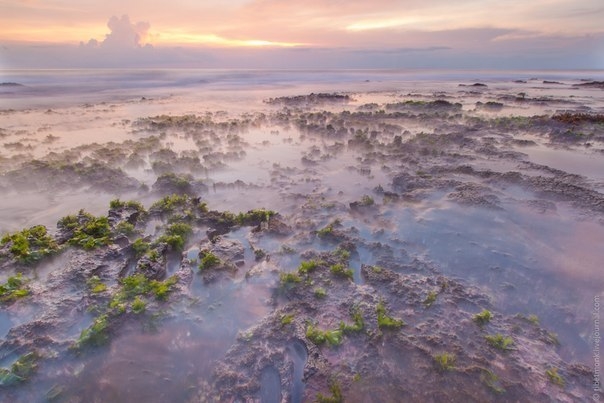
column 309, row 100
column 475, row 195
column 230, row 254
column 561, row 190
column 439, row 105
column 226, row 249
column 475, row 85
column 125, row 214
column 394, row 362
column 578, row 118
column 42, row 175
column 591, row 84
column 275, row 226
column 490, row 105
column 560, row 187
column 405, row 182
column 154, row 268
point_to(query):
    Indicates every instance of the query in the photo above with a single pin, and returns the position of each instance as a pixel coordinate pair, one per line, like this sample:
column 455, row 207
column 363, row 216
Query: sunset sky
column 303, row 34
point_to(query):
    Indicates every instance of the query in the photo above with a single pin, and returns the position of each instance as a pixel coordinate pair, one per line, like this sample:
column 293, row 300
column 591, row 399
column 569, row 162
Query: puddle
column 5, row 324
column 296, row 351
column 192, row 254
column 154, row 366
column 590, row 165
column 270, row 386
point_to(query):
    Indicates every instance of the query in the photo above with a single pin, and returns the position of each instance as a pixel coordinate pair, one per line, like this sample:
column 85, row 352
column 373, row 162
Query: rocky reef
column 427, row 246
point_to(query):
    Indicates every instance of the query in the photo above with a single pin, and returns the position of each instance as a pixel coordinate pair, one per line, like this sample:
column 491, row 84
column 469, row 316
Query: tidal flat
column 280, row 236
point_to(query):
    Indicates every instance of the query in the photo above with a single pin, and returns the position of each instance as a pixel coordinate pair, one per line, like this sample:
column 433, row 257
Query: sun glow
column 53, row 33
column 186, row 38
column 58, row 34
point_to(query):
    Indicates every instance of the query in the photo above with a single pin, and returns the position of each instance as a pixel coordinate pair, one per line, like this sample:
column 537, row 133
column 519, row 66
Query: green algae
column 20, row 371
column 14, row 288
column 30, row 245
column 384, row 321
column 208, row 260
column 444, row 361
column 339, row 270
column 483, row 317
column 499, row 341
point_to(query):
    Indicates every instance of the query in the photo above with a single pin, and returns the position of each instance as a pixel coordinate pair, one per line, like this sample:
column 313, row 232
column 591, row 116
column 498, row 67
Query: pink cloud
column 124, row 34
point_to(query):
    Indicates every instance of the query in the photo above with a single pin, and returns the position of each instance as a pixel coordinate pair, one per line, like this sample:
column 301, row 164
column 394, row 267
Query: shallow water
column 270, row 386
column 545, row 263
column 296, row 351
column 579, row 162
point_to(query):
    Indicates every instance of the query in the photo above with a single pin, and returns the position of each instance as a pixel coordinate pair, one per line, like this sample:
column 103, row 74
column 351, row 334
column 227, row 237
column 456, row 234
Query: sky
column 309, row 34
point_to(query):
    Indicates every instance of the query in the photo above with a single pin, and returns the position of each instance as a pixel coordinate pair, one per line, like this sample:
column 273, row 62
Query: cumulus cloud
column 123, row 34
column 124, row 46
